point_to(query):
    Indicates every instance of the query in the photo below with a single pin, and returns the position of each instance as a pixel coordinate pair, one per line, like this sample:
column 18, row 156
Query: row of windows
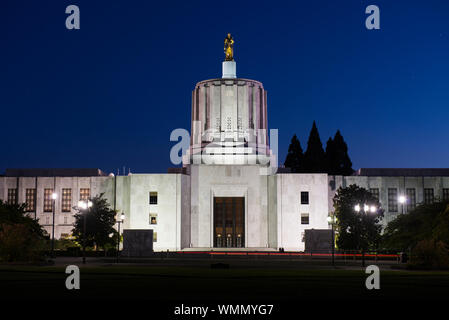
column 30, row 198
column 153, row 216
column 410, row 195
column 66, row 220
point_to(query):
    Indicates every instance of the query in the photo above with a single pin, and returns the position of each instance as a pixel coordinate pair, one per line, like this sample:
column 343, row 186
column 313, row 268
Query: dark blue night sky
column 108, row 95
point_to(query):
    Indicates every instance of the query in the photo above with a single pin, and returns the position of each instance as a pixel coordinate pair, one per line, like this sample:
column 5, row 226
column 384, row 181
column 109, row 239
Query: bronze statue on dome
column 229, row 48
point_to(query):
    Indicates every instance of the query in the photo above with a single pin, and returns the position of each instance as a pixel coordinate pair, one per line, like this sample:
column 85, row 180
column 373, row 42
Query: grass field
column 177, row 283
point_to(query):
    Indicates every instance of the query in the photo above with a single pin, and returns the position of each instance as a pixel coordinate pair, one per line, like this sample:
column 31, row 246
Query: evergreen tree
column 337, row 156
column 331, row 157
column 294, row 159
column 314, row 157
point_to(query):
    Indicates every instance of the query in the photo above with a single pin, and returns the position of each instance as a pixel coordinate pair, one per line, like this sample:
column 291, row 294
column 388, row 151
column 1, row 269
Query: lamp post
column 366, row 209
column 402, row 200
column 331, row 221
column 84, row 204
column 53, row 196
column 120, row 221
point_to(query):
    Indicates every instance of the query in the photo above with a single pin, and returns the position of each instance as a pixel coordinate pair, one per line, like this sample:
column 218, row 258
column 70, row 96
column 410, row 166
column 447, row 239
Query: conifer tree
column 340, row 162
column 314, row 157
column 294, row 159
column 331, row 157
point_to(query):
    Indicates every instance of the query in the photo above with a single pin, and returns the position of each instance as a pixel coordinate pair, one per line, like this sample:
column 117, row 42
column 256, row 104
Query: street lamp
column 54, row 196
column 331, row 220
column 366, row 209
column 402, row 200
column 84, row 204
column 120, row 221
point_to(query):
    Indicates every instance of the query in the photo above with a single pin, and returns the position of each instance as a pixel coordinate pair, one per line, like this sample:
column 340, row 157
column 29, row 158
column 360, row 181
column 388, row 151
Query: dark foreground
column 288, row 285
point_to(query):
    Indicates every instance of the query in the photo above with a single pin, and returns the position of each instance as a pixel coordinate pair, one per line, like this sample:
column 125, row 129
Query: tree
column 21, row 237
column 430, row 254
column 425, row 222
column 357, row 230
column 344, row 163
column 100, row 221
column 331, row 157
column 314, row 157
column 338, row 161
column 295, row 157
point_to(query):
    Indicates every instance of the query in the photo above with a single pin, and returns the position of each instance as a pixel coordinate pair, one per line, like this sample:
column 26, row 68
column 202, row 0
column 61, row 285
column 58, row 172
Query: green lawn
column 206, row 285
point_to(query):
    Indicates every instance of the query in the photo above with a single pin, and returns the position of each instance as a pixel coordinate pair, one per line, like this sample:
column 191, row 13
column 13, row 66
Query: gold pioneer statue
column 229, row 48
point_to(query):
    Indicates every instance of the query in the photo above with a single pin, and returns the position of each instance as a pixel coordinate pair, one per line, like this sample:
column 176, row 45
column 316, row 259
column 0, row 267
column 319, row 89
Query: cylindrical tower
column 225, row 108
column 229, row 121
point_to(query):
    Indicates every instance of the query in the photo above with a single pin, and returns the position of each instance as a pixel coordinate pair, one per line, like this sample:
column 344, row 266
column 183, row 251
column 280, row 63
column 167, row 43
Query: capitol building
column 229, row 192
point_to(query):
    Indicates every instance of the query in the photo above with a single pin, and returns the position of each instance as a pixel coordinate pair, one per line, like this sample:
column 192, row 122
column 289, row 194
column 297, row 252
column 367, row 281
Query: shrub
column 430, row 254
column 17, row 243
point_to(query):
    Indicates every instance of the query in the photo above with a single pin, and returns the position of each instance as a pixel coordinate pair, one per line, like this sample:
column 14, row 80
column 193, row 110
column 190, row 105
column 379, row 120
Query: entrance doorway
column 229, row 222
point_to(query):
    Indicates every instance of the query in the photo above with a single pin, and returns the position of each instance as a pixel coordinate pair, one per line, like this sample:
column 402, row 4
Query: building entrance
column 229, row 222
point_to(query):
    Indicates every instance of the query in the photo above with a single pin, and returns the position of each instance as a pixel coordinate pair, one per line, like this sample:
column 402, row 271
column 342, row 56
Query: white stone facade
column 399, row 185
column 229, row 158
column 184, row 210
column 63, row 219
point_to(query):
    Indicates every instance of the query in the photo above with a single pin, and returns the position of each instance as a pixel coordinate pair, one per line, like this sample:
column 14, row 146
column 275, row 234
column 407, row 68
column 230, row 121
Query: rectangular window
column 375, row 192
column 12, row 196
column 48, row 201
column 153, row 197
column 84, row 193
column 304, row 218
column 154, row 236
column 65, row 220
column 445, row 194
column 30, row 197
column 410, row 193
column 392, row 200
column 304, row 197
column 153, row 218
column 66, row 200
column 428, row 195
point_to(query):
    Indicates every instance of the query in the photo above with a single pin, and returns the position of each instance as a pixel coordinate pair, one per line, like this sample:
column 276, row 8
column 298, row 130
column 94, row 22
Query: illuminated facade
column 229, row 193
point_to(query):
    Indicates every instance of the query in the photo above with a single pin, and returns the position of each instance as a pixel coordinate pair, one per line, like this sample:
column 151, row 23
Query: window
column 304, row 197
column 153, row 218
column 304, row 218
column 375, row 192
column 410, row 193
column 48, row 201
column 30, row 196
column 84, row 193
column 445, row 194
column 428, row 195
column 47, row 220
column 153, row 197
column 64, row 235
column 392, row 200
column 12, row 196
column 66, row 200
column 154, row 236
column 65, row 220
